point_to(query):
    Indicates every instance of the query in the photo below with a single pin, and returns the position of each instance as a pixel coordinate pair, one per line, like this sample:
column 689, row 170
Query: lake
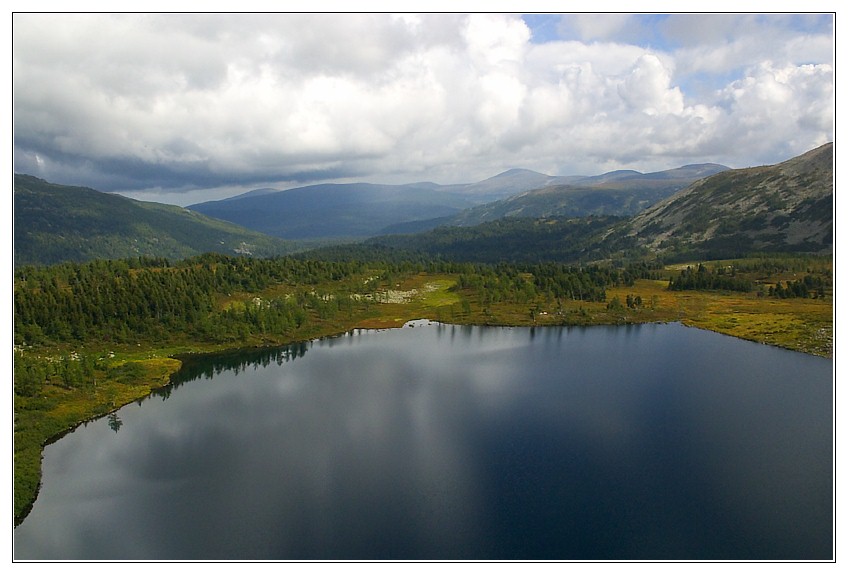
column 436, row 441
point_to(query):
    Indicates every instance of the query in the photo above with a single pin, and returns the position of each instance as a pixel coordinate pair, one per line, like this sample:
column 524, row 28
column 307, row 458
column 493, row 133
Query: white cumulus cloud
column 179, row 102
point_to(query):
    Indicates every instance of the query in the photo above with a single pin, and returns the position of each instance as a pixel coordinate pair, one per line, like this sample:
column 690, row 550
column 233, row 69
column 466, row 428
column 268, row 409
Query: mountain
column 691, row 172
column 56, row 223
column 619, row 193
column 721, row 213
column 257, row 192
column 357, row 211
column 337, row 211
column 513, row 181
column 347, row 211
column 510, row 240
column 786, row 207
column 782, row 207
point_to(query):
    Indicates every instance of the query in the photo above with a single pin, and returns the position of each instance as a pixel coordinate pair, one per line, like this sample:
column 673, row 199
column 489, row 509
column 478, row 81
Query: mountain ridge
column 618, row 193
column 57, row 223
column 361, row 210
column 786, row 207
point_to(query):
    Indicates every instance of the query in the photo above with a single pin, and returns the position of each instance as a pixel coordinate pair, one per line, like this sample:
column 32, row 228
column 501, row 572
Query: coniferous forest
column 234, row 301
column 154, row 300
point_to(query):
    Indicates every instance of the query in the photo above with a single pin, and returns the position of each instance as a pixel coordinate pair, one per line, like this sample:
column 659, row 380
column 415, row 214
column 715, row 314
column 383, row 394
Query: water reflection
column 115, row 422
column 460, row 443
column 197, row 366
column 208, row 366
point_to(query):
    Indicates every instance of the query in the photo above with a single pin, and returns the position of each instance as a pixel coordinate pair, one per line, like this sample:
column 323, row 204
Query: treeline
column 808, row 287
column 701, row 278
column 69, row 371
column 771, row 264
column 150, row 298
column 524, row 283
column 753, row 274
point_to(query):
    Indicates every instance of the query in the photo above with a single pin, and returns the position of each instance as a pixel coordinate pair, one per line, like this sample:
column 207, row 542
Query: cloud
column 647, row 88
column 593, row 27
column 176, row 102
column 793, row 104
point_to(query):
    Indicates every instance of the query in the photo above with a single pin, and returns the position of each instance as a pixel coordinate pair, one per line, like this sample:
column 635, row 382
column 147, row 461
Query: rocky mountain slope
column 621, row 193
column 782, row 207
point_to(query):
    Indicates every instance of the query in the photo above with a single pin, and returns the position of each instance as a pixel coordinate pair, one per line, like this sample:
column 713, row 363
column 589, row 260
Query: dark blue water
column 443, row 442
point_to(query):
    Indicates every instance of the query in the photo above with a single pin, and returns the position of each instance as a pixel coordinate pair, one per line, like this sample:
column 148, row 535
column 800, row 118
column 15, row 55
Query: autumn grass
column 805, row 325
column 801, row 324
column 58, row 410
column 429, row 296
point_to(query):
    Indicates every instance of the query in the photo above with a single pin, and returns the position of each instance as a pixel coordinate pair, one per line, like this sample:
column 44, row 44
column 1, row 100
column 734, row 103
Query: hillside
column 357, row 211
column 511, row 240
column 350, row 211
column 339, row 211
column 56, row 223
column 619, row 193
column 783, row 207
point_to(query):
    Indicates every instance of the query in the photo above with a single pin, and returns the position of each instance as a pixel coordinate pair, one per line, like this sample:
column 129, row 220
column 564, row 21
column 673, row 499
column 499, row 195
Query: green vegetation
column 517, row 240
column 55, row 223
column 702, row 278
column 787, row 207
column 92, row 337
column 57, row 389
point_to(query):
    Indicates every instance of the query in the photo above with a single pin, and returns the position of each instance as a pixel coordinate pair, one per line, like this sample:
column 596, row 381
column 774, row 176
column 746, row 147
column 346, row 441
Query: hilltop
column 782, row 207
column 56, row 223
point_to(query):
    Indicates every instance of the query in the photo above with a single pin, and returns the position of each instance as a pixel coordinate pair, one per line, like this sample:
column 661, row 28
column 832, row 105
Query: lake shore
column 455, row 413
column 802, row 325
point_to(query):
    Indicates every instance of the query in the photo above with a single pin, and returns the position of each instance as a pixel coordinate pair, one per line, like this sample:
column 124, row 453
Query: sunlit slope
column 783, row 207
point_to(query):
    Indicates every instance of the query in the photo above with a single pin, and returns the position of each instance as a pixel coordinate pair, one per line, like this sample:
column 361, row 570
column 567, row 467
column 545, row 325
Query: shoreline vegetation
column 79, row 360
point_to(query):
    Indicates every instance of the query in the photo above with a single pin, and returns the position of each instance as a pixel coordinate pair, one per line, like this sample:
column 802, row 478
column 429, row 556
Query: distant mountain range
column 334, row 211
column 787, row 207
column 56, row 223
column 702, row 210
column 619, row 193
column 357, row 211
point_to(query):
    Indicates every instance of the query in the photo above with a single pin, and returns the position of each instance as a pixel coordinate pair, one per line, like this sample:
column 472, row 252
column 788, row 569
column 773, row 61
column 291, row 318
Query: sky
column 182, row 108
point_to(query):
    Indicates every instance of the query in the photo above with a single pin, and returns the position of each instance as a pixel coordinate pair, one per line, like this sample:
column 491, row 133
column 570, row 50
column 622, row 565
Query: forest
column 154, row 301
column 233, row 301
column 730, row 277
